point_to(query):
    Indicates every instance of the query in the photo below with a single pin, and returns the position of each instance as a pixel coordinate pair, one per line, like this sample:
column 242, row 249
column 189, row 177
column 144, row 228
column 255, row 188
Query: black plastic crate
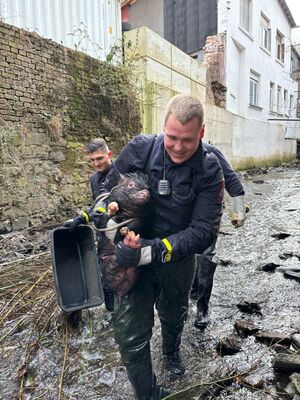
column 76, row 271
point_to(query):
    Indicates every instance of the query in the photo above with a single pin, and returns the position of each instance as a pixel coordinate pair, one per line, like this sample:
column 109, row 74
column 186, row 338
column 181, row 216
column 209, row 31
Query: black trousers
column 203, row 282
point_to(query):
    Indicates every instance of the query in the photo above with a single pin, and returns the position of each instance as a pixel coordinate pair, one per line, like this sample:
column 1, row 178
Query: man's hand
column 134, row 251
column 113, row 208
column 72, row 224
column 126, row 256
column 102, row 218
column 128, row 252
column 238, row 215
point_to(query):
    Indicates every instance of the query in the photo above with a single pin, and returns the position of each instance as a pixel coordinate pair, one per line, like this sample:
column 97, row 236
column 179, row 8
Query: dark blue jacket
column 97, row 180
column 233, row 184
column 190, row 216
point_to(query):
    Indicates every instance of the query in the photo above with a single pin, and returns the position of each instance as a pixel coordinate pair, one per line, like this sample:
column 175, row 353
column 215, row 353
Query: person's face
column 181, row 141
column 100, row 159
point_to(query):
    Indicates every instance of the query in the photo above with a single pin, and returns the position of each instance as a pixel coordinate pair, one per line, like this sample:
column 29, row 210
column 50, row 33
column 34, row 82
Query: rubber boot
column 171, row 356
column 174, row 365
column 173, row 311
column 201, row 320
column 73, row 318
column 159, row 393
column 194, row 294
column 205, row 274
column 144, row 385
column 108, row 299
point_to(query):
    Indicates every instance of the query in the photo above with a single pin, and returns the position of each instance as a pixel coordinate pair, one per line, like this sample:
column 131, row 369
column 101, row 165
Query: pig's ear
column 122, row 178
column 113, row 179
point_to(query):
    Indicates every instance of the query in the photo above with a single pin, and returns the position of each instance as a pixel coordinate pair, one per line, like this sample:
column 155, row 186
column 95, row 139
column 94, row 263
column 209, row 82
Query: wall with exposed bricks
column 53, row 100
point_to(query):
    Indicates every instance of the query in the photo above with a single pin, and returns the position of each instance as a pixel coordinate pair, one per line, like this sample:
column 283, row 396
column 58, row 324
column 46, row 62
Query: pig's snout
column 141, row 196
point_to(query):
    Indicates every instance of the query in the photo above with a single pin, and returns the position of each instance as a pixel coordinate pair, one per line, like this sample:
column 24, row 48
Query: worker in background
column 100, row 158
column 203, row 282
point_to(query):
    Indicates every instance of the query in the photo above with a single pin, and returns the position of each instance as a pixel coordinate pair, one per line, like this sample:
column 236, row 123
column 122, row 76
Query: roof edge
column 287, row 13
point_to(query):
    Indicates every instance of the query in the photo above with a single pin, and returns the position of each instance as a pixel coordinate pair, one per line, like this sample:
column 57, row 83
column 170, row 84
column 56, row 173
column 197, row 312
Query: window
column 265, row 33
column 245, row 14
column 272, row 97
column 291, row 105
column 279, row 99
column 285, row 102
column 254, row 89
column 295, row 61
column 198, row 55
column 280, row 47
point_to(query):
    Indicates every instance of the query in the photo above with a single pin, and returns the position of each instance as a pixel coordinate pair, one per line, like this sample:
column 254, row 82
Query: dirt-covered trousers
column 167, row 287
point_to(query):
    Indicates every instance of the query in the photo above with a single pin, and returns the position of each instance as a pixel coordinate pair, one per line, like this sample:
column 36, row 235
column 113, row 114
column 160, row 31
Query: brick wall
column 214, row 59
column 53, row 100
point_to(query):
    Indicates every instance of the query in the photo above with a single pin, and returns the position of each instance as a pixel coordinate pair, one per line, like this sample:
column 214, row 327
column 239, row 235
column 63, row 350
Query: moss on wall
column 253, row 162
column 53, row 101
column 102, row 93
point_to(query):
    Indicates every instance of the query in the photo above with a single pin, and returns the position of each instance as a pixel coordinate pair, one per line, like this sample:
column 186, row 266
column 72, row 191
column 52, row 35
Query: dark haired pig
column 133, row 200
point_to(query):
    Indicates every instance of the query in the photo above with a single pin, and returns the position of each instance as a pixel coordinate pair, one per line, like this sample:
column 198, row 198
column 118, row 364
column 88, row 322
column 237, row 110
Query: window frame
column 280, row 47
column 291, row 101
column 254, row 89
column 278, row 99
column 285, row 102
column 265, row 33
column 246, row 15
column 272, row 97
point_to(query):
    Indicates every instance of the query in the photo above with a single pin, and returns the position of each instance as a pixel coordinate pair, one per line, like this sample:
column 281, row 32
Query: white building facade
column 258, row 58
column 92, row 26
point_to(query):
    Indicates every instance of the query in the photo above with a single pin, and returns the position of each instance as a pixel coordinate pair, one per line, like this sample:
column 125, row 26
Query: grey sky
column 294, row 6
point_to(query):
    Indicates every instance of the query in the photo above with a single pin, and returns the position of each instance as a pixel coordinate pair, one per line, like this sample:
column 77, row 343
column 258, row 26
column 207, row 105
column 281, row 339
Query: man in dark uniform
column 187, row 187
column 203, row 282
column 100, row 157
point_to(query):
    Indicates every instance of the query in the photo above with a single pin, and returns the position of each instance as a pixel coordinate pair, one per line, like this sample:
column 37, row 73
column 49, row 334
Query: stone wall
column 53, row 100
column 162, row 71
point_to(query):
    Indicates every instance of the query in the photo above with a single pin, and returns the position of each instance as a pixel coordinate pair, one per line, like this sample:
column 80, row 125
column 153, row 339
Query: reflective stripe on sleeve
column 100, row 209
column 86, row 217
column 167, row 254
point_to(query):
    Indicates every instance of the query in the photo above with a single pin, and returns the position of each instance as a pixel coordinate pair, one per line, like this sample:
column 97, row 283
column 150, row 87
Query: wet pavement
column 42, row 358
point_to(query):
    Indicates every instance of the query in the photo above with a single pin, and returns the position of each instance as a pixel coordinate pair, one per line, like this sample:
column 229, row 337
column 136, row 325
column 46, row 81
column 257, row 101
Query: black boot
column 73, row 318
column 194, row 293
column 159, row 393
column 173, row 364
column 109, row 299
column 145, row 386
column 201, row 320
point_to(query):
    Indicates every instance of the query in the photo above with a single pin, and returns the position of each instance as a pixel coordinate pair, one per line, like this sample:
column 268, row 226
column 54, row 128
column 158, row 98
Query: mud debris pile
column 254, row 308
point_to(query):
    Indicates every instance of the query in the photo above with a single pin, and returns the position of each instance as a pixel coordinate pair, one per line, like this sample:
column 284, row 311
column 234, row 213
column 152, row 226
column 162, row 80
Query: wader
column 167, row 287
column 203, row 283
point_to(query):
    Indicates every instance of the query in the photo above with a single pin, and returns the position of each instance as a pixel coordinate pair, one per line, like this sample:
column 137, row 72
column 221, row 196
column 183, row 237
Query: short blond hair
column 184, row 108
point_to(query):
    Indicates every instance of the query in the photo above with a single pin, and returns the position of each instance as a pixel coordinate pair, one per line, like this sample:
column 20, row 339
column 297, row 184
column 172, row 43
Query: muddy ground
column 43, row 358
